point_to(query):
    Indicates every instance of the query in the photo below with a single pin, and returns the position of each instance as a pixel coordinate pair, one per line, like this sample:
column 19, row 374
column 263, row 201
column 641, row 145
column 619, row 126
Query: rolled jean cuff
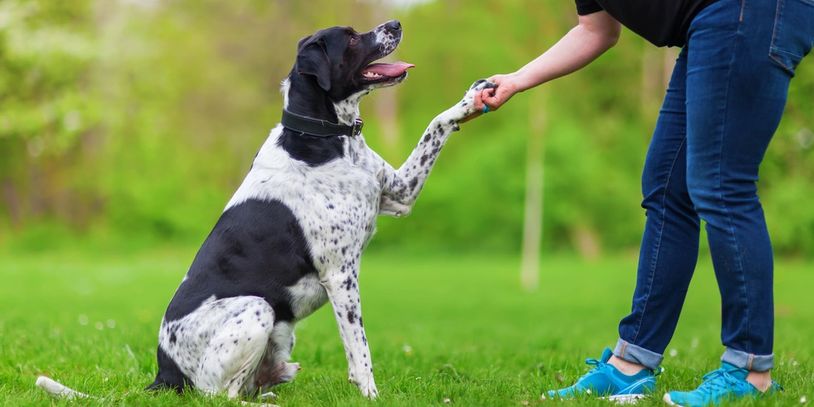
column 636, row 354
column 748, row 361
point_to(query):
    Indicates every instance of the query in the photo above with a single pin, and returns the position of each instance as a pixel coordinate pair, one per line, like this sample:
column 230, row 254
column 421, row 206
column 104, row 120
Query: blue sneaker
column 725, row 384
column 605, row 381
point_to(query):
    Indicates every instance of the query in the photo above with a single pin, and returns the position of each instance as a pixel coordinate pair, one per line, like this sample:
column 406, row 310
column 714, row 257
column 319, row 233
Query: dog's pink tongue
column 391, row 70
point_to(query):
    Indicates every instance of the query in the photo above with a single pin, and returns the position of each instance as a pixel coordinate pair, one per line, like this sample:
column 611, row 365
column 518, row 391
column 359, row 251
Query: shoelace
column 598, row 364
column 718, row 380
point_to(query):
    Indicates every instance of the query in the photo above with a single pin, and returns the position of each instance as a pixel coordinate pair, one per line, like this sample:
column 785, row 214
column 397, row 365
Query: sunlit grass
column 441, row 327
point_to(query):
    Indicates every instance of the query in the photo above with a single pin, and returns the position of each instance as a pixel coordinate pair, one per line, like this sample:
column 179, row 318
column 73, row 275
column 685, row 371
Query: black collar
column 318, row 127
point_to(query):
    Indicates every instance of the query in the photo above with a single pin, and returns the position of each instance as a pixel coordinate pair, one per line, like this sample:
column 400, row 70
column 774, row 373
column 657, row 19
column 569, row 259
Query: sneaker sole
column 669, row 400
column 625, row 398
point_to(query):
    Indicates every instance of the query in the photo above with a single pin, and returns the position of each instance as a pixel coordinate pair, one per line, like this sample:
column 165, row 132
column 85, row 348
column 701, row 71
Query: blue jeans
column 724, row 103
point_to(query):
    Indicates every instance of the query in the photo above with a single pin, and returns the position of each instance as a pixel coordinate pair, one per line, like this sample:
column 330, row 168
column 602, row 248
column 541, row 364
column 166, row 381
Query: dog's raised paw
column 467, row 104
column 481, row 84
column 477, row 82
column 476, row 87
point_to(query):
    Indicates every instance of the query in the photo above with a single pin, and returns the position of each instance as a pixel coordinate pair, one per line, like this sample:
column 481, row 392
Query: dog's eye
column 354, row 39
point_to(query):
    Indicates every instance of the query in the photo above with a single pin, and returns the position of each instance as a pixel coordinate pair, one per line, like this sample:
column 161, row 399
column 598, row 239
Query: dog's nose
column 393, row 25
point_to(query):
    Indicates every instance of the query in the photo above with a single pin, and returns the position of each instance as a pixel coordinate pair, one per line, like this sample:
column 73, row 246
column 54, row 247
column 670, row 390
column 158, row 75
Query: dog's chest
column 336, row 203
column 344, row 203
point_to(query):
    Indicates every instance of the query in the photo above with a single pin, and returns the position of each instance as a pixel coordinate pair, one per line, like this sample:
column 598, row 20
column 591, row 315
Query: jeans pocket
column 793, row 35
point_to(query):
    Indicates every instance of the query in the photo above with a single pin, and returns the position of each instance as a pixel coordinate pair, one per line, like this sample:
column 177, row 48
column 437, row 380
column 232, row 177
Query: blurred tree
column 136, row 119
column 47, row 50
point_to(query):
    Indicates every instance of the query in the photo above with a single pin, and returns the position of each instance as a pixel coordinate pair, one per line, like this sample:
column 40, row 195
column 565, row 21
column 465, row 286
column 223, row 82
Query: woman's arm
column 594, row 34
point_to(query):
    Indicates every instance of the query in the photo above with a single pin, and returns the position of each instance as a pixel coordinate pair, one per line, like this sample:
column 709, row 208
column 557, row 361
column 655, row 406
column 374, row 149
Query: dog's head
column 341, row 61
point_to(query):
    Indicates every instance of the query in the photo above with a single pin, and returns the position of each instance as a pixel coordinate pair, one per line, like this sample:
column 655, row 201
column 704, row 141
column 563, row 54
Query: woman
column 723, row 104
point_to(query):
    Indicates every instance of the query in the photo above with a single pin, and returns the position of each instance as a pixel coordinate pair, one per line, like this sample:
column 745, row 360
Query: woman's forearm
column 594, row 35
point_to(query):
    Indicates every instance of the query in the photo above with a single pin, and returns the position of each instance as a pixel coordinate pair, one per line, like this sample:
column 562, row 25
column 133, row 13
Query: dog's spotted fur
column 290, row 240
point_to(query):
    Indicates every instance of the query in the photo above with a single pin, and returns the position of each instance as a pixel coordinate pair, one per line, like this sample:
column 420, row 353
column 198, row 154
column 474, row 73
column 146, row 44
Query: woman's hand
column 507, row 86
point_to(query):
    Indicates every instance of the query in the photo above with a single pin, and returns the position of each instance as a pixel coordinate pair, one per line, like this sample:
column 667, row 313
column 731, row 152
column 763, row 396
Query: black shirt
column 662, row 22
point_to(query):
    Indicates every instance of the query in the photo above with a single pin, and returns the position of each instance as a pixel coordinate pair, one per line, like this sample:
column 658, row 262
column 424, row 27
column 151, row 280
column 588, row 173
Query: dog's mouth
column 385, row 72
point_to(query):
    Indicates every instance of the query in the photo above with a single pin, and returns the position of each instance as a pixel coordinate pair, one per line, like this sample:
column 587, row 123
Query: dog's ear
column 302, row 42
column 312, row 59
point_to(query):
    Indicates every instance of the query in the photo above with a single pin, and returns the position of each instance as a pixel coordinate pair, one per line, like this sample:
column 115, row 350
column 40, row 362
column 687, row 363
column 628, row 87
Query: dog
column 291, row 238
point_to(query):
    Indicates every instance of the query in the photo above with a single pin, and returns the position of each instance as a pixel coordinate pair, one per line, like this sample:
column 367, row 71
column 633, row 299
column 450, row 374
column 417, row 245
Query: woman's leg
column 668, row 255
column 735, row 99
column 669, row 249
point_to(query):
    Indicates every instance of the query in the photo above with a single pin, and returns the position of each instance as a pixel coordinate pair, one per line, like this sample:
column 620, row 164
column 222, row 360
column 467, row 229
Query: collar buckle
column 356, row 129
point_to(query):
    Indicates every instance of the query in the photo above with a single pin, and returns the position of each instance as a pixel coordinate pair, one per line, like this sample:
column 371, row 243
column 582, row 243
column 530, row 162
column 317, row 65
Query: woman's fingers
column 498, row 96
column 491, row 98
column 491, row 95
column 489, row 92
column 487, row 97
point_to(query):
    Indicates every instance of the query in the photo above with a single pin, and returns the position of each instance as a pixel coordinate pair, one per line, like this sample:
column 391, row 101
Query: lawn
column 442, row 329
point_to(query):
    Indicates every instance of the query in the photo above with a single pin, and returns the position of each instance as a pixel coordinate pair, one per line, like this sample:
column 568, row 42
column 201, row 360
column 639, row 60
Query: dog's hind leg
column 233, row 354
column 275, row 369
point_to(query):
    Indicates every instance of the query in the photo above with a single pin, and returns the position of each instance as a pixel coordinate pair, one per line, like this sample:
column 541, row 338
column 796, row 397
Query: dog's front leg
column 343, row 292
column 400, row 188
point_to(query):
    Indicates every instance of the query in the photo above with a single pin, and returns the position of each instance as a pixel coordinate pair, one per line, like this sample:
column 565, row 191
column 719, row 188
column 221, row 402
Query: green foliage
column 46, row 53
column 135, row 121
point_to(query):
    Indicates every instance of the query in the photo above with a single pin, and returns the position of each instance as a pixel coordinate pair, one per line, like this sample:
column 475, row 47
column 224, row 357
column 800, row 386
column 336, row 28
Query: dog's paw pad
column 468, row 102
column 477, row 82
column 481, row 84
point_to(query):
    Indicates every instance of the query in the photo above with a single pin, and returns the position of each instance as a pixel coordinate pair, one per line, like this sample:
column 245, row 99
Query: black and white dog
column 292, row 236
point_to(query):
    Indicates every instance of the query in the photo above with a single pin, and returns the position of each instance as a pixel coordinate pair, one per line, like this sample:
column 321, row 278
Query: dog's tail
column 58, row 389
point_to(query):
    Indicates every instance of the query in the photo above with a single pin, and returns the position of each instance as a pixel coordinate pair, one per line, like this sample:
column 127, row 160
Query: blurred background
column 128, row 124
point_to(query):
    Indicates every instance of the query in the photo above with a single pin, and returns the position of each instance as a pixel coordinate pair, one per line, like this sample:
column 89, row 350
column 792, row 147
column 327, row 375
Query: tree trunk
column 533, row 217
column 12, row 202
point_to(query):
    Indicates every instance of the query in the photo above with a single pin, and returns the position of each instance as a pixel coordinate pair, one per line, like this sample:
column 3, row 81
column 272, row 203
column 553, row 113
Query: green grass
column 440, row 327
